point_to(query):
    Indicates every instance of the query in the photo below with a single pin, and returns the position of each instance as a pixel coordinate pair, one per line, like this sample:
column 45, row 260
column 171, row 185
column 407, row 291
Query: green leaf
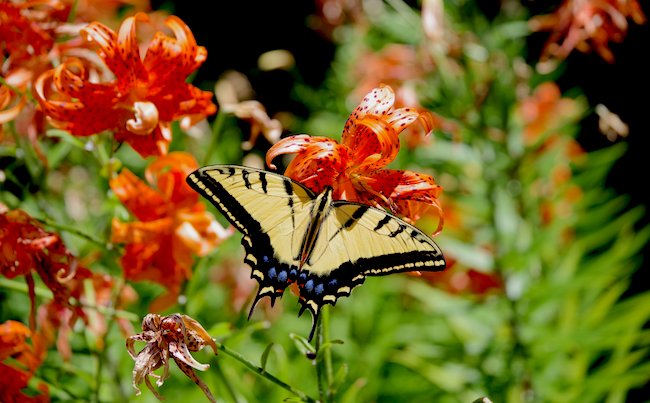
column 326, row 346
column 265, row 355
column 340, row 377
column 67, row 137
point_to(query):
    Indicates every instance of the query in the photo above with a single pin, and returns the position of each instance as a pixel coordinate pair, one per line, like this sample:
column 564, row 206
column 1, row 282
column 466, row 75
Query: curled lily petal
column 319, row 164
column 291, row 145
column 87, row 110
column 145, row 118
column 170, row 336
column 199, row 334
column 146, row 95
column 180, row 352
column 173, row 228
column 375, row 144
column 187, row 370
column 169, row 175
column 127, row 46
column 355, row 167
column 185, row 38
column 412, row 193
column 6, row 97
column 404, row 117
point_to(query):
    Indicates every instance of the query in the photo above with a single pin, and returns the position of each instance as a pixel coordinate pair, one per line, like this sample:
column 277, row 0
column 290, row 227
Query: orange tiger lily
column 173, row 225
column 354, row 168
column 149, row 91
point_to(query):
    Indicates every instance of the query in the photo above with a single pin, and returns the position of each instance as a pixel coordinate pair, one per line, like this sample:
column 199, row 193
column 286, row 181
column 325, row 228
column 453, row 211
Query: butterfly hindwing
column 292, row 235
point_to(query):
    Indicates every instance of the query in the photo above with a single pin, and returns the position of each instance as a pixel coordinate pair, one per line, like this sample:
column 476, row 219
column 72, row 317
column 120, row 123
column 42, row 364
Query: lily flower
column 148, row 93
column 25, row 247
column 173, row 225
column 587, row 25
column 355, row 167
column 18, row 361
column 173, row 336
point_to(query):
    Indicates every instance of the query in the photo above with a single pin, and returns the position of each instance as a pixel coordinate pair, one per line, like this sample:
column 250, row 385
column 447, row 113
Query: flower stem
column 72, row 230
column 47, row 294
column 222, row 376
column 324, row 358
column 262, row 373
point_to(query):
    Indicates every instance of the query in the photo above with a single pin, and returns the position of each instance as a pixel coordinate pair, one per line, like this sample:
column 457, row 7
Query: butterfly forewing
column 271, row 201
column 268, row 209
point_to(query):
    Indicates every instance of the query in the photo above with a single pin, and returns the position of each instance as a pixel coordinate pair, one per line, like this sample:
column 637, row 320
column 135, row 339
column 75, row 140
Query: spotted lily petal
column 140, row 231
column 89, row 108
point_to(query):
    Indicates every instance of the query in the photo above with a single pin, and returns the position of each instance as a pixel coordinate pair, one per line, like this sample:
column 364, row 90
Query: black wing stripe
column 398, row 231
column 383, row 222
column 263, row 181
column 224, row 202
column 356, row 216
column 247, row 182
column 272, row 275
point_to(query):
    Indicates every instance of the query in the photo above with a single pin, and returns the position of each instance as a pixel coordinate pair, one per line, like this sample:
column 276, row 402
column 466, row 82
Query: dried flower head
column 173, row 336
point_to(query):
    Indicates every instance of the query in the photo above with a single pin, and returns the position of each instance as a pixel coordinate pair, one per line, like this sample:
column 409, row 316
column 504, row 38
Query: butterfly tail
column 314, row 323
column 254, row 304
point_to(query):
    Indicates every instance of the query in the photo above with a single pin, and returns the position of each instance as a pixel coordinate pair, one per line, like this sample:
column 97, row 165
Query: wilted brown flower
column 169, row 336
column 234, row 94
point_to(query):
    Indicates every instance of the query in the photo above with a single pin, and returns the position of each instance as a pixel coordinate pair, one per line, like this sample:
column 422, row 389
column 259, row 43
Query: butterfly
column 326, row 246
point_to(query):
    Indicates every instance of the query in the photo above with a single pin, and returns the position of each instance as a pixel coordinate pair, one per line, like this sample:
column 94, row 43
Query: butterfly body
column 326, row 246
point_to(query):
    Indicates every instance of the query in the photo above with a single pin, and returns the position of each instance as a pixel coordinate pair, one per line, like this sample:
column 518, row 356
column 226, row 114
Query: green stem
column 98, row 374
column 262, row 373
column 324, row 358
column 75, row 231
column 518, row 349
column 216, row 131
column 117, row 378
column 220, row 374
column 327, row 357
column 47, row 294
